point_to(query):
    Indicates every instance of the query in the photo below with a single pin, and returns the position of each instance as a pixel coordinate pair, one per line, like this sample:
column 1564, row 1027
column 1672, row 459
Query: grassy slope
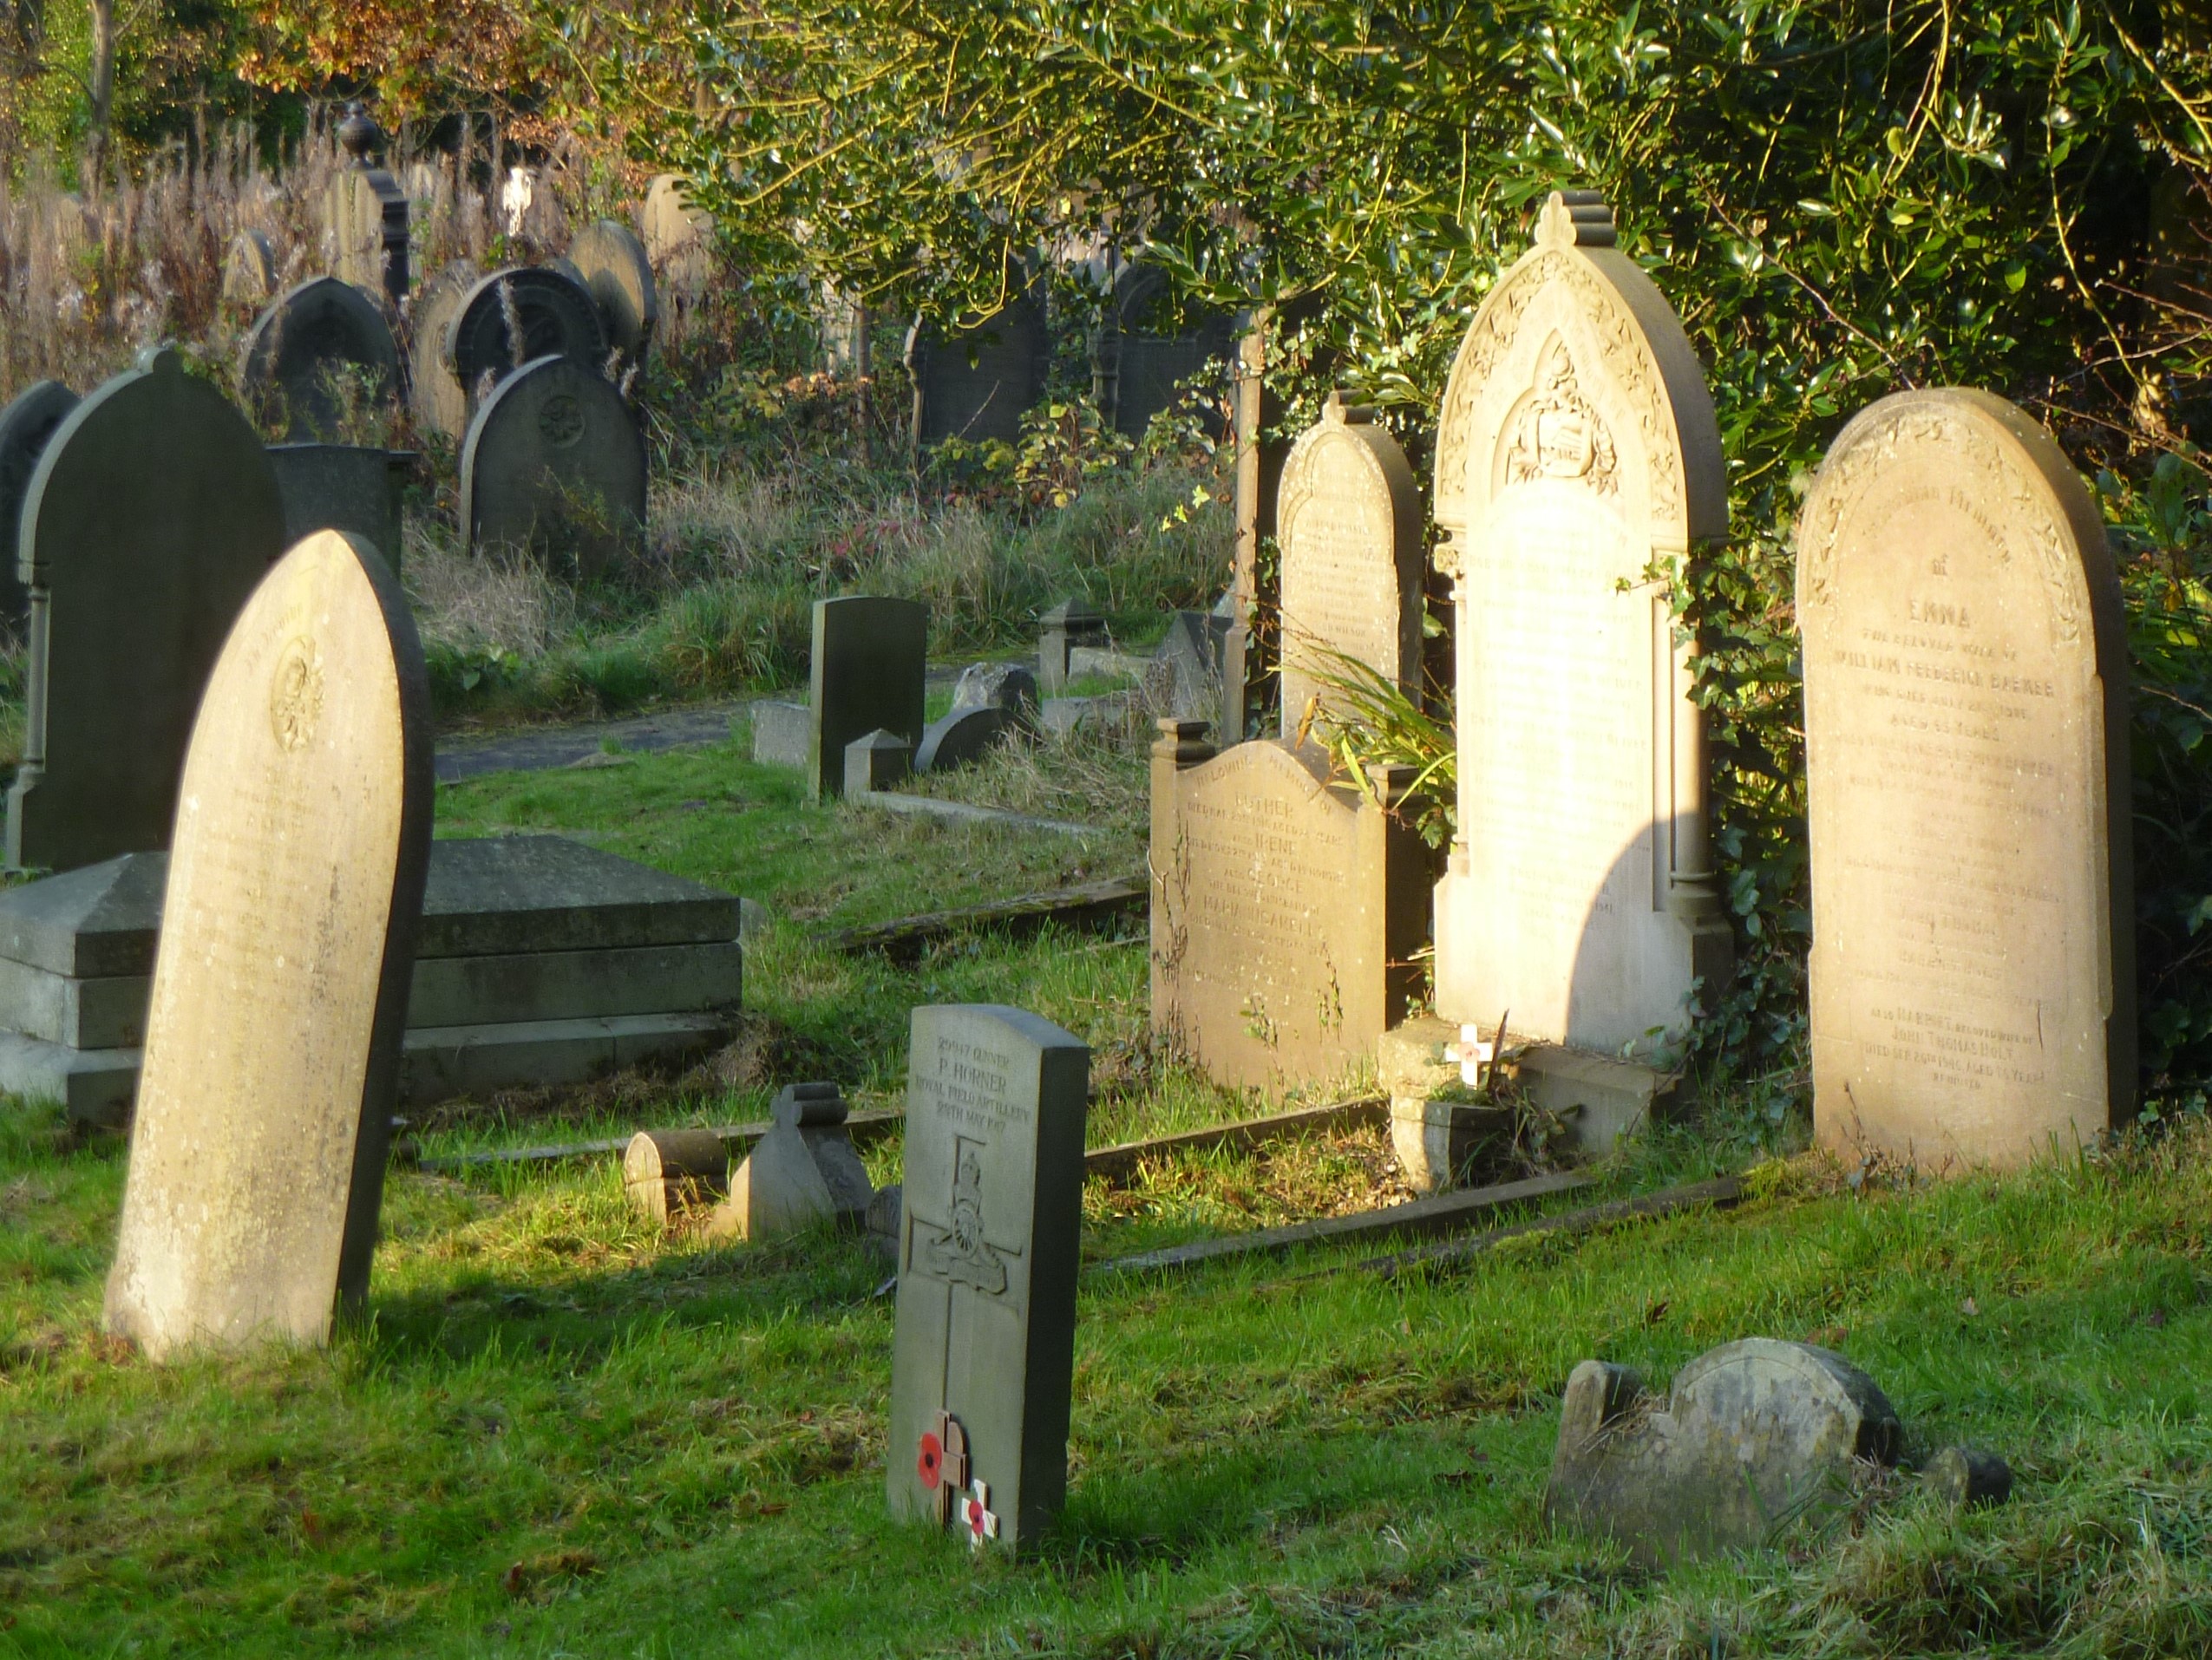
column 562, row 1433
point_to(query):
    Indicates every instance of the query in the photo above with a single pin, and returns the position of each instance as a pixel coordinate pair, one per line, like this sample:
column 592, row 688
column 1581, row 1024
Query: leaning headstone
column 1577, row 448
column 1287, row 910
column 1071, row 626
column 1349, row 533
column 996, row 685
column 803, row 1172
column 250, row 269
column 555, row 460
column 1755, row 1438
column 152, row 516
column 437, row 398
column 27, row 424
column 318, row 361
column 366, row 215
column 353, row 487
column 963, row 737
column 1967, row 758
column 978, row 383
column 1138, row 372
column 280, row 988
column 991, row 1205
column 611, row 263
column 554, row 313
column 870, row 661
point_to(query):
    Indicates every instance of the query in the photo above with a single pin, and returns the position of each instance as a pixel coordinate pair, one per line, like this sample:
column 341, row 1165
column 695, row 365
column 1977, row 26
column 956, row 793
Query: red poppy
column 931, row 1464
column 977, row 1514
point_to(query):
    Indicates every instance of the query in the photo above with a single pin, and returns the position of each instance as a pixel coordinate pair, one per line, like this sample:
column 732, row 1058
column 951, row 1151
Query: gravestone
column 1286, row 911
column 997, row 686
column 1137, row 372
column 280, row 985
column 879, row 761
column 679, row 240
column 250, row 269
column 976, row 384
column 666, row 1172
column 319, row 359
column 991, row 701
column 153, row 514
column 843, row 321
column 554, row 460
column 871, row 656
column 1184, row 677
column 1071, row 626
column 27, row 424
column 1349, row 521
column 1755, row 1437
column 437, row 396
column 1966, row 753
column 1577, row 446
column 610, row 262
column 803, row 1172
column 351, row 487
column 557, row 317
column 990, row 1208
column 366, row 215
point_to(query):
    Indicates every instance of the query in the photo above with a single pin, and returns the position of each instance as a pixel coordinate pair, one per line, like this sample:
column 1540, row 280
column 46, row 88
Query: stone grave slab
column 976, row 384
column 320, row 361
column 964, row 736
column 991, row 1206
column 803, row 1172
column 351, row 487
column 1577, row 446
column 1349, row 531
column 555, row 461
column 1286, row 911
column 30, row 419
column 1184, row 677
column 870, row 661
column 783, row 732
column 610, row 262
column 1754, row 1438
column 280, row 988
column 436, row 395
column 557, row 317
column 152, row 515
column 1138, row 371
column 1967, row 754
column 250, row 269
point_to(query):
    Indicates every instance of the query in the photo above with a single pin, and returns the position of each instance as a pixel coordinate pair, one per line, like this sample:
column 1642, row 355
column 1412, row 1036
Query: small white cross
column 976, row 1514
column 1472, row 1054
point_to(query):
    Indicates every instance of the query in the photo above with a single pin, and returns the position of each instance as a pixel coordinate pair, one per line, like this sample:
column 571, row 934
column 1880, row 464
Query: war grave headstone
column 28, row 422
column 804, row 1171
column 1966, row 753
column 151, row 517
column 1287, row 911
column 320, row 358
column 436, row 395
column 1755, row 1437
column 250, row 269
column 258, row 1152
column 353, row 487
column 612, row 262
column 871, row 660
column 1577, row 446
column 1350, row 529
column 991, row 1209
column 366, row 215
column 1137, row 373
column 556, row 315
column 555, row 460
column 976, row 384
column 539, row 961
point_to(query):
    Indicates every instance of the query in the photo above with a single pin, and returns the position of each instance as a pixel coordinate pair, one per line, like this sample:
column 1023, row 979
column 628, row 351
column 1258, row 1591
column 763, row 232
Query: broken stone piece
column 667, row 1172
column 1966, row 1476
column 801, row 1172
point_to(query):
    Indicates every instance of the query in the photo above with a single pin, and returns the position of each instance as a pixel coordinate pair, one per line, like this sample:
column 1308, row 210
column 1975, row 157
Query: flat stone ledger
column 280, row 985
column 152, row 515
column 1349, row 531
column 318, row 360
column 555, row 461
column 977, row 385
column 1967, row 745
column 988, row 1249
column 1286, row 911
column 870, row 663
column 1577, row 446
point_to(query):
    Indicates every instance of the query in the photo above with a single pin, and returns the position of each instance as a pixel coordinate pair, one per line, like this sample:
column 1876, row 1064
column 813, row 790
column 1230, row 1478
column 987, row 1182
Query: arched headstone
column 249, row 269
column 1577, row 446
column 978, row 383
column 1137, row 371
column 555, row 460
column 619, row 279
column 556, row 315
column 152, row 515
column 26, row 426
column 321, row 351
column 439, row 402
column 1966, row 754
column 678, row 239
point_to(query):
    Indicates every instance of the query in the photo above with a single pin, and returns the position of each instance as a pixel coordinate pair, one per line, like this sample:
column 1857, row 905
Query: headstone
column 783, row 733
column 1286, row 911
column 1966, row 744
column 1184, row 677
column 320, row 361
column 554, row 460
column 802, row 1172
column 1755, row 1437
column 879, row 761
column 964, row 736
column 666, row 1172
column 351, row 487
column 612, row 262
column 26, row 425
column 1137, row 372
column 250, row 269
column 438, row 399
column 152, row 516
column 991, row 1205
column 1068, row 626
column 978, row 384
column 273, row 1043
column 996, row 685
column 1349, row 533
column 1577, row 446
column 366, row 215
column 870, row 659
column 678, row 239
column 555, row 315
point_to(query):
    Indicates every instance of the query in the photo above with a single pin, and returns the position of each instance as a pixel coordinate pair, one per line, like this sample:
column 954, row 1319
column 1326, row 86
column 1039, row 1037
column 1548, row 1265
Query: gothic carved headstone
column 988, row 1247
column 1966, row 750
column 555, row 460
column 27, row 424
column 554, row 314
column 1577, row 446
column 1139, row 368
column 976, row 384
column 870, row 660
column 280, row 983
column 318, row 360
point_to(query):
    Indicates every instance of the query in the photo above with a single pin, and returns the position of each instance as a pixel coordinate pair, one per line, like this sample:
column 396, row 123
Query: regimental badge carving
column 959, row 1253
column 561, row 421
column 1555, row 433
column 296, row 696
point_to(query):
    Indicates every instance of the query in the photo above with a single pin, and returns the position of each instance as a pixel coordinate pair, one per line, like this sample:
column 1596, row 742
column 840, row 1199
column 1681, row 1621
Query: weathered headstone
column 870, row 660
column 1286, row 911
column 612, row 262
column 437, row 397
column 991, row 701
column 554, row 313
column 992, row 1204
column 1755, row 1437
column 555, row 460
column 1577, row 446
column 1137, row 372
column 352, row 487
column 280, row 988
column 1966, row 751
column 843, row 320
column 319, row 360
column 978, row 383
column 1349, row 520
column 28, row 422
column 250, row 269
column 366, row 215
column 803, row 1172
column 678, row 239
column 1184, row 677
column 152, row 516
column 1067, row 627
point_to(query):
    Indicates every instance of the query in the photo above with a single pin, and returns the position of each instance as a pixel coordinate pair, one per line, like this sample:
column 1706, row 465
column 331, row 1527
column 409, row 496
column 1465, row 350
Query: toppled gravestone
column 991, row 702
column 1754, row 1436
column 801, row 1172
